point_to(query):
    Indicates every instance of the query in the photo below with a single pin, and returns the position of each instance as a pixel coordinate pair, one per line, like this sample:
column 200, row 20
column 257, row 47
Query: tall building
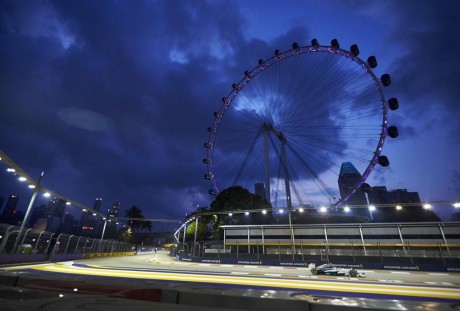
column 55, row 212
column 56, row 207
column 88, row 223
column 113, row 212
column 9, row 214
column 39, row 212
column 2, row 200
column 378, row 195
column 68, row 224
column 349, row 176
column 411, row 207
column 403, row 196
column 97, row 204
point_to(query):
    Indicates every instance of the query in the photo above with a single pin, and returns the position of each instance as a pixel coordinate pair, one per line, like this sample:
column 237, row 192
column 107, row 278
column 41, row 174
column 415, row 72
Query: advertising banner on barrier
column 356, row 265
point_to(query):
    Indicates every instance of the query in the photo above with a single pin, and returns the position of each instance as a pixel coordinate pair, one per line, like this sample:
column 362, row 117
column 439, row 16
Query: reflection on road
column 162, row 268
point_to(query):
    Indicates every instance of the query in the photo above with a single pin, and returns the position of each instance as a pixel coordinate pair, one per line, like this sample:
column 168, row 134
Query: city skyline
column 119, row 110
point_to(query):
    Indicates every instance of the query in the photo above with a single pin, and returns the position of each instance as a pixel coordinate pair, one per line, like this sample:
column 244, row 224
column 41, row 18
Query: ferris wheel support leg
column 266, row 167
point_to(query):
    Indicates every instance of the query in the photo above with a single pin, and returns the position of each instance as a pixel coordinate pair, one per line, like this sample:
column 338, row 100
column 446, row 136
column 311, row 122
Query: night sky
column 113, row 99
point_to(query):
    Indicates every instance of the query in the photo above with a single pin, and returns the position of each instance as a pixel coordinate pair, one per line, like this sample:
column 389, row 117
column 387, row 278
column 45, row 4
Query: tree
column 234, row 199
column 204, row 230
column 136, row 223
column 125, row 235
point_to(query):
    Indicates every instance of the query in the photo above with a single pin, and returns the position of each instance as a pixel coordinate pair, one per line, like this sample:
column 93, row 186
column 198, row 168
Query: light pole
column 26, row 216
column 196, row 230
column 103, row 229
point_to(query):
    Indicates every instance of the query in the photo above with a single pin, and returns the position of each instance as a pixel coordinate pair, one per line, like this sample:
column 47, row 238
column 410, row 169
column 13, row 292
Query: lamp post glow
column 26, row 216
column 371, row 209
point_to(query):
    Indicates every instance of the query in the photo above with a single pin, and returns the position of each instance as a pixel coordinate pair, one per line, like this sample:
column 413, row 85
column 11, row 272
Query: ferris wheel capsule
column 386, row 81
column 335, row 44
column 393, row 131
column 354, row 49
column 372, row 61
column 393, row 103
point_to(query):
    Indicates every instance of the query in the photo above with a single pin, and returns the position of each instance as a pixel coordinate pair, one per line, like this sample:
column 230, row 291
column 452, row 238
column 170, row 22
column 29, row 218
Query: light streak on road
column 270, row 281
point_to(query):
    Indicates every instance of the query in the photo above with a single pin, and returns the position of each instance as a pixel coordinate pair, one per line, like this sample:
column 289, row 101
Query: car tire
column 353, row 273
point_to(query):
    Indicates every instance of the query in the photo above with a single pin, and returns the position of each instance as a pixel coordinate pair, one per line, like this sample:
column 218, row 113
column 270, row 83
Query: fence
column 381, row 244
column 36, row 245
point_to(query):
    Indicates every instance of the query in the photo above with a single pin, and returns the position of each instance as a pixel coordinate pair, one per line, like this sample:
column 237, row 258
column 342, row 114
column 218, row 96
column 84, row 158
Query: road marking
column 229, row 266
column 204, row 264
column 236, row 272
column 399, row 272
column 443, row 274
column 439, row 283
column 268, row 274
column 250, row 266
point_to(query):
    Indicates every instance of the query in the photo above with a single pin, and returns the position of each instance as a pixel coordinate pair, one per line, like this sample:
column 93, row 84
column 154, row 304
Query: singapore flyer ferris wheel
column 291, row 123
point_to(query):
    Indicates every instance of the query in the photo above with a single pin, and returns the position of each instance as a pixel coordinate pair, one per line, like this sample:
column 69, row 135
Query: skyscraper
column 403, row 196
column 39, row 212
column 113, row 212
column 8, row 214
column 56, row 208
column 97, row 204
column 378, row 195
column 55, row 212
column 2, row 200
column 349, row 176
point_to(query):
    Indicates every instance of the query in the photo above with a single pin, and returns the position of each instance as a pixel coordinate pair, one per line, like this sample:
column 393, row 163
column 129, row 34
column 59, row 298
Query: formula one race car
column 331, row 269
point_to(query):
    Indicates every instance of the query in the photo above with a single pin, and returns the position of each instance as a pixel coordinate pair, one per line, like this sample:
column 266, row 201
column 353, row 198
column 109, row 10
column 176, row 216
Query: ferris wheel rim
column 279, row 57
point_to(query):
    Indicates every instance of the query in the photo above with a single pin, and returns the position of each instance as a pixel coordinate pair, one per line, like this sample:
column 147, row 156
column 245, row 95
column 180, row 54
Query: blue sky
column 113, row 99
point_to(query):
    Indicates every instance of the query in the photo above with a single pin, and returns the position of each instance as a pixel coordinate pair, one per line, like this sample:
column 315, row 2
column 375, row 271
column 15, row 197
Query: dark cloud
column 112, row 99
column 116, row 95
column 426, row 73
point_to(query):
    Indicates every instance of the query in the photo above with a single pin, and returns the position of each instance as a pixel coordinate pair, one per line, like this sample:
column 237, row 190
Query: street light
column 371, row 209
column 26, row 216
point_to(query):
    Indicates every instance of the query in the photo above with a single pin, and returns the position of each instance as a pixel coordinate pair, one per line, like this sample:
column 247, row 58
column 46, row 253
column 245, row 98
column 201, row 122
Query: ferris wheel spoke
column 297, row 117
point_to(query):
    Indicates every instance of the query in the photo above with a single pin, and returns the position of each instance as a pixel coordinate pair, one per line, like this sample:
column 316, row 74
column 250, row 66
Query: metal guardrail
column 36, row 242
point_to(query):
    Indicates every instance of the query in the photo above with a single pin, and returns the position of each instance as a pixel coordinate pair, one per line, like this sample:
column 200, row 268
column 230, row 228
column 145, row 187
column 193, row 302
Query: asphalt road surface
column 160, row 267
